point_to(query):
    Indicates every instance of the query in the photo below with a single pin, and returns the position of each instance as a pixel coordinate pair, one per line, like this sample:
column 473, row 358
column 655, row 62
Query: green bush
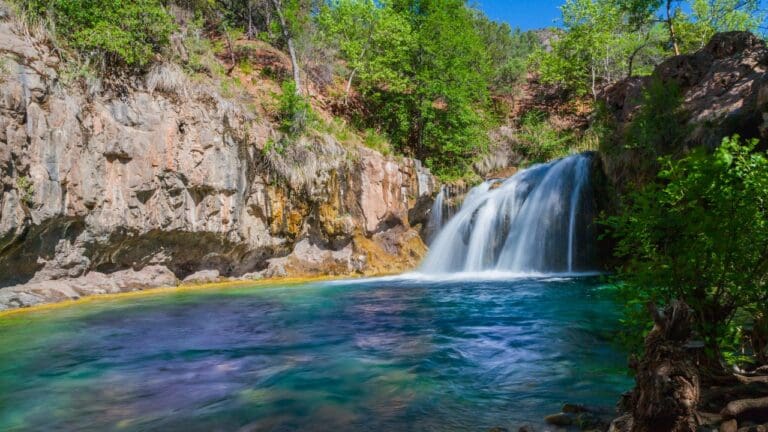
column 539, row 141
column 119, row 32
column 26, row 190
column 699, row 234
column 293, row 111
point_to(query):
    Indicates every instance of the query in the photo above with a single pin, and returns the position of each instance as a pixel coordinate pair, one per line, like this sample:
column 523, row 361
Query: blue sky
column 531, row 14
column 526, row 14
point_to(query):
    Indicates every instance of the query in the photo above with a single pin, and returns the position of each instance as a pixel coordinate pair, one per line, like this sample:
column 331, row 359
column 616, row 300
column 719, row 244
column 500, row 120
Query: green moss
column 26, row 190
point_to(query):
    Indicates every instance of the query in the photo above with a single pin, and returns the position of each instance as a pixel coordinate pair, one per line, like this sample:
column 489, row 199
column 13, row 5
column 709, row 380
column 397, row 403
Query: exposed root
column 740, row 407
column 762, row 379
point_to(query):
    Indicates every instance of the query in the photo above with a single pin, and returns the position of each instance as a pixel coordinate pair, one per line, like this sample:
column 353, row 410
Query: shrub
column 119, row 32
column 293, row 112
column 699, row 234
column 168, row 78
column 539, row 141
column 657, row 127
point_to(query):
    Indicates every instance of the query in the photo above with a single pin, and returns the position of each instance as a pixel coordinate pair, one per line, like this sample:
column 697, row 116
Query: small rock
column 758, row 428
column 252, row 276
column 498, row 429
column 729, row 426
column 621, row 424
column 559, row 419
column 525, row 429
column 203, row 276
column 588, row 421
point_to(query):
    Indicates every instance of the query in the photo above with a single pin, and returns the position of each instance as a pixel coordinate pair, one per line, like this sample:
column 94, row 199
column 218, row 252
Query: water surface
column 394, row 354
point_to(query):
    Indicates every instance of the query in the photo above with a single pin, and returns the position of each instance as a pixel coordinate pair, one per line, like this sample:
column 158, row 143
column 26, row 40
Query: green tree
column 691, row 31
column 599, row 46
column 423, row 70
column 508, row 51
column 376, row 42
column 451, row 86
column 113, row 32
column 700, row 234
column 708, row 17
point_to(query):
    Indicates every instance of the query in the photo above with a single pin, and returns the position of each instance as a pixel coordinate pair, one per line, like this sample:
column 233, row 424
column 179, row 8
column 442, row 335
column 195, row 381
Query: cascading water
column 436, row 215
column 537, row 221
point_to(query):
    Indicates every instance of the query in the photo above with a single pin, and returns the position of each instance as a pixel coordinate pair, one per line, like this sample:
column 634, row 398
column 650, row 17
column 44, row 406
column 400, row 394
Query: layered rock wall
column 105, row 179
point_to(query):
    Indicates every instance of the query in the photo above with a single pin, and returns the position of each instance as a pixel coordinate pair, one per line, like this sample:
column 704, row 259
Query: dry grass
column 167, row 78
column 306, row 163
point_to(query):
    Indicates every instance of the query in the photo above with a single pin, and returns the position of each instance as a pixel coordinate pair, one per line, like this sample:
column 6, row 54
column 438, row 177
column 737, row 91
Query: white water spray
column 538, row 220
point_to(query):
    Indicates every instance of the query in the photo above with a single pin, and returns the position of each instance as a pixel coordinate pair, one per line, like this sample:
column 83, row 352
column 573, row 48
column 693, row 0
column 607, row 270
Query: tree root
column 676, row 393
column 741, row 407
column 744, row 379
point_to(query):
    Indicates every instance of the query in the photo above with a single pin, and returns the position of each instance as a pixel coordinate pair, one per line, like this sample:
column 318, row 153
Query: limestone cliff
column 158, row 177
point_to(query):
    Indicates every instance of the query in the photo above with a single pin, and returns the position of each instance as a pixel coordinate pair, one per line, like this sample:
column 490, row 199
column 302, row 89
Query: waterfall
column 537, row 221
column 435, row 222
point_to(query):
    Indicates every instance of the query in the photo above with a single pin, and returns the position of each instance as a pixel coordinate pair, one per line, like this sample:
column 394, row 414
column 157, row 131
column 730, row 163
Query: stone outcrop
column 724, row 89
column 92, row 283
column 156, row 172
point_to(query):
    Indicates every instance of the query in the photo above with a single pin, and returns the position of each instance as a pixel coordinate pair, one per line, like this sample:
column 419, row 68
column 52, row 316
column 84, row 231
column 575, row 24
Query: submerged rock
column 560, row 419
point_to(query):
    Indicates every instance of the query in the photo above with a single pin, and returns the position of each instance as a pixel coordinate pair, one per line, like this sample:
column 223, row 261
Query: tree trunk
column 671, row 26
column 635, row 52
column 349, row 85
column 667, row 381
column 250, row 34
column 291, row 50
column 231, row 49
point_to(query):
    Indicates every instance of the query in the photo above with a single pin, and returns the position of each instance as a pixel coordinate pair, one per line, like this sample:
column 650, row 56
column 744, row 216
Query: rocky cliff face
column 724, row 89
column 163, row 177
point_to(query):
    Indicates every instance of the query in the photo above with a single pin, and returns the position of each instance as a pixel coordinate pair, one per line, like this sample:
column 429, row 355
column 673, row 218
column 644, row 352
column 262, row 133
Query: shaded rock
column 756, row 428
column 724, row 88
column 574, row 408
column 621, row 424
column 560, row 419
column 729, row 426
